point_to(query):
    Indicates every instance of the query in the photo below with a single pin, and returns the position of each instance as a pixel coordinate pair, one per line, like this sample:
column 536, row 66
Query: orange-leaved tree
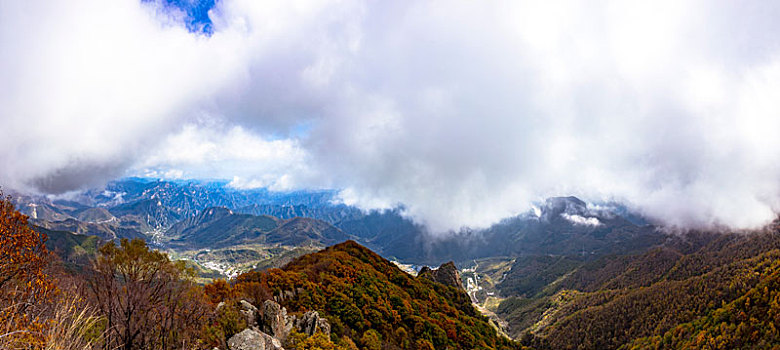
column 24, row 284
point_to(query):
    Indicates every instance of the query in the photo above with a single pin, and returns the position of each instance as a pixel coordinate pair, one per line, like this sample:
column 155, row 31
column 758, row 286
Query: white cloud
column 581, row 220
column 465, row 112
column 212, row 151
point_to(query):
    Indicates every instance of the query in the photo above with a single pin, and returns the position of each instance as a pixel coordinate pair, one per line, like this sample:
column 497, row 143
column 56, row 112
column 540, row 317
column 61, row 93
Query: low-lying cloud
column 581, row 220
column 464, row 112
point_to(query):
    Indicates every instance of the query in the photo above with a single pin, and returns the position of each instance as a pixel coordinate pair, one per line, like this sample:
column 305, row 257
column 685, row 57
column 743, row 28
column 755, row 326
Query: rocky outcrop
column 446, row 274
column 249, row 311
column 311, row 322
column 252, row 339
column 272, row 320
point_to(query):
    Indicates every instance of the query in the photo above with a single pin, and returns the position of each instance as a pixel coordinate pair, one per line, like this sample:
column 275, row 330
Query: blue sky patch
column 197, row 20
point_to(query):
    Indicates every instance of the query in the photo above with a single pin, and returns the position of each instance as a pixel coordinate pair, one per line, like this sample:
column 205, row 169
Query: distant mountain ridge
column 156, row 209
column 220, row 227
column 561, row 226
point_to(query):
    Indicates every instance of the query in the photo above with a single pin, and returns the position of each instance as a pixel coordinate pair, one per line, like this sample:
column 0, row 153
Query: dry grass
column 68, row 325
column 72, row 327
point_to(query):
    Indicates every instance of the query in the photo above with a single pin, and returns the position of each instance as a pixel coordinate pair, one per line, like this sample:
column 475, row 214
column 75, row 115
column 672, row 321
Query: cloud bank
column 463, row 112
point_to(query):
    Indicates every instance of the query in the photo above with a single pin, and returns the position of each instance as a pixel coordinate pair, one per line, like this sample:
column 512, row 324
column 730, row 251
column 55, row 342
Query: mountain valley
column 548, row 278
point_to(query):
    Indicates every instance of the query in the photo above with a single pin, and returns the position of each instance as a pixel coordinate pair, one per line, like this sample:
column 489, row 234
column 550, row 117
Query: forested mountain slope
column 696, row 284
column 366, row 297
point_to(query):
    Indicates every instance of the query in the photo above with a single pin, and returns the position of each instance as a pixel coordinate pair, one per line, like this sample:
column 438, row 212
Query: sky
column 464, row 112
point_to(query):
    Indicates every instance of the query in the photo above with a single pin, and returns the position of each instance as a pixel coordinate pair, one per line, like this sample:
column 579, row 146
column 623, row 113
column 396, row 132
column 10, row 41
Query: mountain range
column 219, row 227
column 564, row 275
column 178, row 213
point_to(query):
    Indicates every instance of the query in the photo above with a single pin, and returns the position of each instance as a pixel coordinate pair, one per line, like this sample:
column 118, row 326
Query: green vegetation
column 282, row 256
column 217, row 263
column 748, row 322
column 74, row 250
column 135, row 297
column 694, row 290
column 219, row 228
column 369, row 300
column 530, row 275
column 69, row 245
column 690, row 293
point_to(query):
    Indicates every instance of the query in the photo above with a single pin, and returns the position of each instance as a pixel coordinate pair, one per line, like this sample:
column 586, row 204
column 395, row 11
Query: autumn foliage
column 25, row 288
column 371, row 303
column 133, row 297
column 147, row 301
column 718, row 291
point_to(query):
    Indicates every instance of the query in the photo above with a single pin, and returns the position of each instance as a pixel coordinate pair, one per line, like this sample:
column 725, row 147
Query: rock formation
column 272, row 322
column 311, row 322
column 249, row 311
column 446, row 274
column 252, row 339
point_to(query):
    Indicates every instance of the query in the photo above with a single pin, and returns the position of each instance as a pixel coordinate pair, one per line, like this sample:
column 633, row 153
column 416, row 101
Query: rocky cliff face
column 270, row 325
column 274, row 320
column 311, row 322
column 446, row 274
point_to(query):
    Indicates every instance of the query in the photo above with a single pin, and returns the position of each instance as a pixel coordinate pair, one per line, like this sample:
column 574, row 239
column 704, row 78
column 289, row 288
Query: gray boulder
column 311, row 322
column 250, row 312
column 274, row 321
column 251, row 339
